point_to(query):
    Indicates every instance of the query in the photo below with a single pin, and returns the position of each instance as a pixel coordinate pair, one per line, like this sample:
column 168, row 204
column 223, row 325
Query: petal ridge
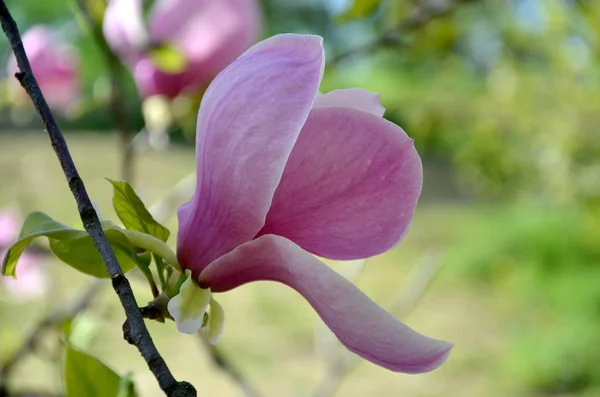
column 350, row 186
column 249, row 120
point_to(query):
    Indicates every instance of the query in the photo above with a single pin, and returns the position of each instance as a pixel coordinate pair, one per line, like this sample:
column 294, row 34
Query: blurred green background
column 502, row 98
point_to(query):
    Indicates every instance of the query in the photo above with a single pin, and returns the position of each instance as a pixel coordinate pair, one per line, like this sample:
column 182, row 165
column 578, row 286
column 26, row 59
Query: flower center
column 194, row 308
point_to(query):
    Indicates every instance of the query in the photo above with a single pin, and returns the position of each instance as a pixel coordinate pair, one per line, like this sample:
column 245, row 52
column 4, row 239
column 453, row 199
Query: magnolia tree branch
column 161, row 211
column 345, row 362
column 224, row 363
column 423, row 13
column 139, row 334
column 32, row 393
column 117, row 107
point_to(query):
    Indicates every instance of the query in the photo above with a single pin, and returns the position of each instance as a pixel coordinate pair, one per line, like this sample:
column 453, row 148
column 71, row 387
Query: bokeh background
column 502, row 98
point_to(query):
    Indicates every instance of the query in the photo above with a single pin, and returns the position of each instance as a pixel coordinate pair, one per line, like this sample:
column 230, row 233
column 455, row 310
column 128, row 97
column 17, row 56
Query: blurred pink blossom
column 283, row 173
column 31, row 279
column 209, row 34
column 55, row 67
column 9, row 228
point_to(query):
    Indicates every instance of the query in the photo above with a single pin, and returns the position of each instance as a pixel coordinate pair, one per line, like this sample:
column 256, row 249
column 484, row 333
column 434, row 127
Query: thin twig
column 179, row 194
column 395, row 37
column 51, row 320
column 345, row 362
column 32, row 393
column 139, row 334
column 224, row 363
column 117, row 107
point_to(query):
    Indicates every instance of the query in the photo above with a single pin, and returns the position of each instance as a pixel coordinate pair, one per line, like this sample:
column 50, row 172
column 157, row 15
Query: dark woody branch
column 138, row 334
column 117, row 107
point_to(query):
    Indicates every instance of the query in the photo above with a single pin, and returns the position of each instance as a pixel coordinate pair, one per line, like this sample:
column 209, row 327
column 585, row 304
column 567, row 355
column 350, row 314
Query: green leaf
column 144, row 258
column 96, row 9
column 72, row 246
column 147, row 242
column 359, row 9
column 36, row 224
column 168, row 58
column 81, row 253
column 85, row 375
column 133, row 213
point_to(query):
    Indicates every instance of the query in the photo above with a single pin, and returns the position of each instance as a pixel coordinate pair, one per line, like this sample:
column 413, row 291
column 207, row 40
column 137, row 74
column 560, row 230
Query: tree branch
column 53, row 319
column 30, row 393
column 394, row 37
column 223, row 362
column 117, row 107
column 139, row 333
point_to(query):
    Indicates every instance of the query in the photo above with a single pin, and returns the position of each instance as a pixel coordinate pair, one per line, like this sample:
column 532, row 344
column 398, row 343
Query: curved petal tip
column 302, row 42
column 359, row 323
column 354, row 98
column 440, row 351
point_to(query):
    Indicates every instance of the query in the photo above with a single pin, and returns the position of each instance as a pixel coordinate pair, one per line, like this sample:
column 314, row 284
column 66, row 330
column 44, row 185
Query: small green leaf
column 81, row 253
column 359, row 9
column 133, row 213
column 36, row 224
column 72, row 246
column 168, row 58
column 147, row 242
column 144, row 258
column 85, row 375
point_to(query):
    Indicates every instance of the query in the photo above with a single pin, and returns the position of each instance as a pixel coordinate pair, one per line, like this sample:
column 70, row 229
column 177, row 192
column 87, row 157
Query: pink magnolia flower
column 9, row 228
column 55, row 67
column 210, row 34
column 31, row 280
column 283, row 174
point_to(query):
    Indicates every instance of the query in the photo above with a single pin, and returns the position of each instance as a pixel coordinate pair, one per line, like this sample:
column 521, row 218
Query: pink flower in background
column 283, row 174
column 31, row 280
column 209, row 34
column 55, row 67
column 9, row 228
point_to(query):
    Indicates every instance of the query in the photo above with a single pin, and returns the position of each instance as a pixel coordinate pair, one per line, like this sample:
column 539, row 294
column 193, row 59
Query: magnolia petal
column 123, row 27
column 228, row 27
column 31, row 279
column 188, row 307
column 354, row 98
column 9, row 228
column 248, row 123
column 216, row 322
column 350, row 187
column 359, row 323
column 54, row 63
column 150, row 80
